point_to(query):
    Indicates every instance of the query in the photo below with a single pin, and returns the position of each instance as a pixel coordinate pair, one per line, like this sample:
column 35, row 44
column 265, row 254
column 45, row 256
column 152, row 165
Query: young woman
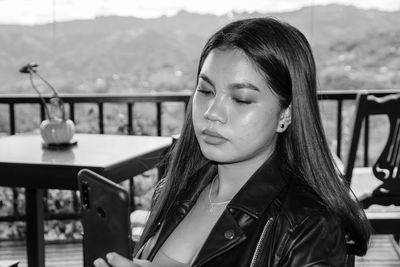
column 251, row 180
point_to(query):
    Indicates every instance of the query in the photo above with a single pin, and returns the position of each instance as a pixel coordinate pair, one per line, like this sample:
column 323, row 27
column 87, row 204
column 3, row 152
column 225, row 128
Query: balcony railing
column 341, row 100
column 100, row 100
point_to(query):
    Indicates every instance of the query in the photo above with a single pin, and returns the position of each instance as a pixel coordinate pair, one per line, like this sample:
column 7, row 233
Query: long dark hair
column 283, row 55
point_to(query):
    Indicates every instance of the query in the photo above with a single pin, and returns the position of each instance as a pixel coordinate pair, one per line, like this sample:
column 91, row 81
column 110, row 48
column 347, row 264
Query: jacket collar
column 260, row 190
column 252, row 199
column 255, row 195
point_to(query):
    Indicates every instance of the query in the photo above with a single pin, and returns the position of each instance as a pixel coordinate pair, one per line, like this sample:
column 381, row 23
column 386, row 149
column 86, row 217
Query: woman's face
column 235, row 113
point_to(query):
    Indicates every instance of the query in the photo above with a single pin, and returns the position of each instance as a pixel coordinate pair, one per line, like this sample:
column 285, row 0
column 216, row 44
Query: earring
column 282, row 125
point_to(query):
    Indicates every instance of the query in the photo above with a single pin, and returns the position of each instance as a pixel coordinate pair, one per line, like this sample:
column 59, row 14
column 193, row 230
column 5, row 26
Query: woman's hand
column 117, row 260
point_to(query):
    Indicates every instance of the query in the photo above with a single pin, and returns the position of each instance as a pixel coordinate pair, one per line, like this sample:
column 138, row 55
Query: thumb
column 117, row 260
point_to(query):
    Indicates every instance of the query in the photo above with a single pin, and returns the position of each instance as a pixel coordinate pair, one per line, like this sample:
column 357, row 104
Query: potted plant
column 56, row 129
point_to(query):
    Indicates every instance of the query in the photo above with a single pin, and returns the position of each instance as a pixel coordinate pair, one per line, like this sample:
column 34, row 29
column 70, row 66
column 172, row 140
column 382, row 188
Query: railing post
column 159, row 129
column 132, row 194
column 72, row 112
column 42, row 113
column 15, row 195
column 339, row 128
column 75, row 202
column 12, row 118
column 366, row 141
column 130, row 118
column 101, row 117
column 14, row 190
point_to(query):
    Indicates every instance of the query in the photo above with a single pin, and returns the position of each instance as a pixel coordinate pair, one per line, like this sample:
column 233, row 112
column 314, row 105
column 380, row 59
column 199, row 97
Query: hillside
column 123, row 54
column 371, row 62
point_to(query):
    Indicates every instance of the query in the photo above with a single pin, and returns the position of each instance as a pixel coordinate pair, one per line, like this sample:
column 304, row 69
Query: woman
column 251, row 181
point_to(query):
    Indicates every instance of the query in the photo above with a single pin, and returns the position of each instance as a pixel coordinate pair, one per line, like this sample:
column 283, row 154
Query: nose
column 216, row 111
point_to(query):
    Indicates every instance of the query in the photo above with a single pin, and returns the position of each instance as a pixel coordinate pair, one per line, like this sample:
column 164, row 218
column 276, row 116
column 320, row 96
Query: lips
column 212, row 137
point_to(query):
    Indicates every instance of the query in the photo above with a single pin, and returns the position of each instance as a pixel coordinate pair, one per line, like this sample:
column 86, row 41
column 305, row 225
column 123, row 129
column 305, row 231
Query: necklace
column 213, row 205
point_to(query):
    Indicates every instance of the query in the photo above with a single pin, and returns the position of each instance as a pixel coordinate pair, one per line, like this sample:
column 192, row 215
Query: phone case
column 105, row 217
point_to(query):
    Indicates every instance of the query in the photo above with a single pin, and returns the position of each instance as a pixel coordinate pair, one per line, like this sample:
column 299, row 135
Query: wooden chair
column 387, row 167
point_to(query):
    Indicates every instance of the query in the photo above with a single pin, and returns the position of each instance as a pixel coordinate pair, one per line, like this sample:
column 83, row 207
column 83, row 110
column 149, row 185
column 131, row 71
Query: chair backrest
column 388, row 164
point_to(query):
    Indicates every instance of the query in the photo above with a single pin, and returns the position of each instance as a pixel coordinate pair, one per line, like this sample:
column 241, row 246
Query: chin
column 216, row 154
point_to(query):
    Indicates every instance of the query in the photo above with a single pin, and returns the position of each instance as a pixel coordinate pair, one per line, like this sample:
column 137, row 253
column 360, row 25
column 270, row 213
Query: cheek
column 197, row 109
column 260, row 124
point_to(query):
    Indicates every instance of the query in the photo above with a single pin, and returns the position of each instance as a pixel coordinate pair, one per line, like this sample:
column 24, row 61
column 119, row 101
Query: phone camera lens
column 101, row 213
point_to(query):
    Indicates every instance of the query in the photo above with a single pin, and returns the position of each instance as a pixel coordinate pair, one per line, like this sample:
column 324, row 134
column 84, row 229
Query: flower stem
column 54, row 92
column 46, row 110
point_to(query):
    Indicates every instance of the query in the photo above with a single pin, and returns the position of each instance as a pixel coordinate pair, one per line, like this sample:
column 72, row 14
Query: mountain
column 123, row 54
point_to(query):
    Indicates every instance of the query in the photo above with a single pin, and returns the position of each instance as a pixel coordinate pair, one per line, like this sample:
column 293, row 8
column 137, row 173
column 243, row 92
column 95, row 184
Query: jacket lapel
column 244, row 210
column 226, row 234
column 179, row 212
column 260, row 190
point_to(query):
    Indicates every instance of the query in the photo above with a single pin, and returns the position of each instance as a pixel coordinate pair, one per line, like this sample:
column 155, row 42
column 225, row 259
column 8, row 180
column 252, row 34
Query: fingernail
column 96, row 262
column 109, row 256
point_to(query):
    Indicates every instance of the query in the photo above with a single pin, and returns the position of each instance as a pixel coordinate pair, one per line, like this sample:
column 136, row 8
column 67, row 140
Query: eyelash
column 241, row 102
column 204, row 91
column 207, row 92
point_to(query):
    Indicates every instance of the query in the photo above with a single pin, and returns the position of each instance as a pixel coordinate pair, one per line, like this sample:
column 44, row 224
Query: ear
column 285, row 119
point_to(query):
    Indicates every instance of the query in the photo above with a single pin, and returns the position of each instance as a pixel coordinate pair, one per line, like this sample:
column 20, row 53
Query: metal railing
column 158, row 99
column 100, row 100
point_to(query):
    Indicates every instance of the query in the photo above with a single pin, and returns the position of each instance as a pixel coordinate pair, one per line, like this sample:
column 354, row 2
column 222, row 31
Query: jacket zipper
column 260, row 243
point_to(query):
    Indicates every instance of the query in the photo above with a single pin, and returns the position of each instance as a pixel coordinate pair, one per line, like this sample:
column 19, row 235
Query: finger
column 117, row 260
column 100, row 263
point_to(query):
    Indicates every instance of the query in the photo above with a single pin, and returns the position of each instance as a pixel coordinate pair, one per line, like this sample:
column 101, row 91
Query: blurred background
column 127, row 47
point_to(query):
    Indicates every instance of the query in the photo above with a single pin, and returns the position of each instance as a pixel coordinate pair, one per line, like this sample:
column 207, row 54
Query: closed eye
column 242, row 101
column 204, row 91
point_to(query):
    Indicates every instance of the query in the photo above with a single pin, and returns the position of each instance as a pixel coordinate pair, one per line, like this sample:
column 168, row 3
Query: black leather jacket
column 269, row 222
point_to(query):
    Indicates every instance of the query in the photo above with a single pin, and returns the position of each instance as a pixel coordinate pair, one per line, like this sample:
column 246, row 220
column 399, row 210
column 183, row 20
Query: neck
column 231, row 177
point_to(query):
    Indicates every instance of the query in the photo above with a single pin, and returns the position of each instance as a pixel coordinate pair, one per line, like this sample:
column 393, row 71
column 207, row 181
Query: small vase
column 57, row 131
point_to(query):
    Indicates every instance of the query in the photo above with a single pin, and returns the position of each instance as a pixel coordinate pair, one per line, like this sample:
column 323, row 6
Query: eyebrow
column 244, row 85
column 208, row 80
column 233, row 86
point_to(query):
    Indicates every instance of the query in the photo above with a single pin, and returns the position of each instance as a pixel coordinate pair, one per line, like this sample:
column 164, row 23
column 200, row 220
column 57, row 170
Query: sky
column 29, row 12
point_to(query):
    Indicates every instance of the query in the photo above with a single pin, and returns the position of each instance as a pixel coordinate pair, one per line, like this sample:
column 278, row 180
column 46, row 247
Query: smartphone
column 105, row 217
